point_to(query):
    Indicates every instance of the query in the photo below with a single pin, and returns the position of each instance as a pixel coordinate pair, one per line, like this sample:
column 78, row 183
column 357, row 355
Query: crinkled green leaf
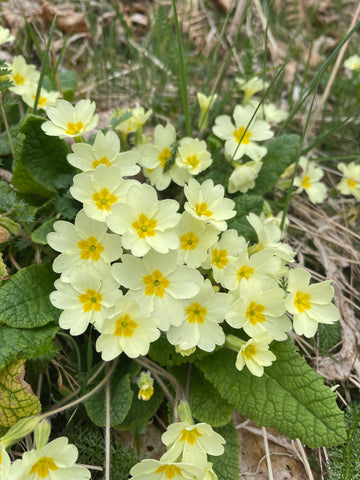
column 244, row 204
column 29, row 343
column 207, row 405
column 121, row 398
column 141, row 411
column 68, row 81
column 38, row 159
column 40, row 234
column 24, row 298
column 290, row 396
column 280, row 154
column 226, row 466
column 17, row 399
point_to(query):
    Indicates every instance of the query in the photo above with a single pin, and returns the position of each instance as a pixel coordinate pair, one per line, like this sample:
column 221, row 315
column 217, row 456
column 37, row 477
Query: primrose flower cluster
column 136, row 268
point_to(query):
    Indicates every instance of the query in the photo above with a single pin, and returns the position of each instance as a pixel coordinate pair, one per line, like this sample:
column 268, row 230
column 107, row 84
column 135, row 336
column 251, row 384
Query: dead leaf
column 68, row 20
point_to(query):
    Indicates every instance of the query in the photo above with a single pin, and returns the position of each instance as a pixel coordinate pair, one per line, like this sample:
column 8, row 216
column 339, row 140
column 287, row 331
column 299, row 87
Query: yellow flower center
column 144, row 226
column 219, row 258
column 43, row 466
column 125, row 327
column 169, row 470
column 253, row 313
column 42, row 101
column 302, row 301
column 91, row 300
column 352, row 183
column 146, row 392
column 196, row 313
column 241, row 136
column 306, row 182
column 193, row 161
column 189, row 241
column 156, row 284
column 164, row 157
column 101, row 161
column 202, row 210
column 244, row 272
column 189, row 436
column 104, row 199
column 74, row 128
column 249, row 351
column 18, row 79
column 90, row 248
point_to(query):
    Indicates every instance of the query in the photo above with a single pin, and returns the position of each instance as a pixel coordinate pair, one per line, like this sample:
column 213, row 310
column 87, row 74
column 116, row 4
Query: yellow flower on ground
column 4, row 463
column 309, row 180
column 70, row 121
column 241, row 139
column 127, row 330
column 350, row 183
column 243, row 177
column 255, row 354
column 352, row 63
column 22, row 75
column 251, row 86
column 46, row 98
column 55, row 461
column 309, row 304
column 205, row 103
column 192, row 443
column 145, row 383
column 5, row 35
column 193, row 155
column 149, row 469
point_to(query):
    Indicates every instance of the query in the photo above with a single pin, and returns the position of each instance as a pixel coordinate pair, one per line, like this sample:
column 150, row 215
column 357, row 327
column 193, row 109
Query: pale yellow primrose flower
column 309, row 304
column 202, row 315
column 206, row 201
column 69, row 121
column 259, row 309
column 104, row 151
column 100, row 189
column 86, row 242
column 89, row 297
column 159, row 284
column 241, row 139
column 145, row 222
column 350, row 183
column 222, row 254
column 269, row 111
column 243, row 177
column 5, row 463
column 192, row 443
column 22, row 75
column 149, row 469
column 133, row 123
column 54, row 461
column 193, row 155
column 5, row 35
column 251, row 86
column 352, row 63
column 309, row 180
column 46, row 98
column 155, row 159
column 195, row 240
column 255, row 354
column 127, row 330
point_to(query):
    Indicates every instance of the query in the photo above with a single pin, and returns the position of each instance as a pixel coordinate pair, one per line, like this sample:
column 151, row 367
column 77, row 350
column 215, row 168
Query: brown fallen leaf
column 68, row 20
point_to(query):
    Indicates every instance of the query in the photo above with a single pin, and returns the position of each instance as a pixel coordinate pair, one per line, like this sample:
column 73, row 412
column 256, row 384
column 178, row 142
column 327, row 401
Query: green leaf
column 9, row 224
column 24, row 298
column 121, row 397
column 17, row 399
column 40, row 234
column 281, row 153
column 226, row 466
column 244, row 204
column 164, row 353
column 206, row 403
column 68, row 81
column 290, row 396
column 141, row 411
column 39, row 159
column 30, row 344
